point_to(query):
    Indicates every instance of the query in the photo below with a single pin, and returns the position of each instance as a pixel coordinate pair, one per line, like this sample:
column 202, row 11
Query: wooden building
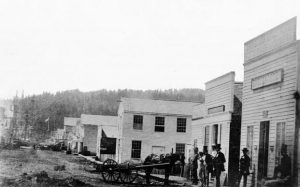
column 153, row 126
column 6, row 115
column 218, row 120
column 96, row 128
column 72, row 139
column 271, row 101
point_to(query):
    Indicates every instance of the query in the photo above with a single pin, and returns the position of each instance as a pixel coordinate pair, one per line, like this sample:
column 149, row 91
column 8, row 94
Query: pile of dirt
column 42, row 179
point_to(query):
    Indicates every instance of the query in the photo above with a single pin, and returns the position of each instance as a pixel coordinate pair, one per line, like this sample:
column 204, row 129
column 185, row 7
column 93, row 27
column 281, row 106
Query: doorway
column 263, row 151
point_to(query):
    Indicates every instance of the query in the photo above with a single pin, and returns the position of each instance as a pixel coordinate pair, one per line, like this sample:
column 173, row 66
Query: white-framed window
column 280, row 140
column 215, row 134
column 136, row 149
column 206, row 137
column 250, row 143
column 138, row 122
column 180, row 148
column 181, row 124
column 159, row 124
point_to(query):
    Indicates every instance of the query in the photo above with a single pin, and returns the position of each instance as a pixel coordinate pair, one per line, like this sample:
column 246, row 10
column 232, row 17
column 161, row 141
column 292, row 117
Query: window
column 215, row 134
column 181, row 124
column 280, row 139
column 180, row 148
column 250, row 143
column 159, row 124
column 138, row 122
column 206, row 140
column 136, row 149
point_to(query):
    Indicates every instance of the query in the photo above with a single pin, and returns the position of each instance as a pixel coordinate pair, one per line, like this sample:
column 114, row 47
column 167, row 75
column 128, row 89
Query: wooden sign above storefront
column 267, row 79
column 216, row 109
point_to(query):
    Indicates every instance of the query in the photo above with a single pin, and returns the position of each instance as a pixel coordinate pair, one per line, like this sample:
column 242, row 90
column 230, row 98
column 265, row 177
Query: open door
column 263, row 151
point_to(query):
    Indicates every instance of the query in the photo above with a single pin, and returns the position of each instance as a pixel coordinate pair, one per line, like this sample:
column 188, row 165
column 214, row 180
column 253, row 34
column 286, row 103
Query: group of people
column 213, row 165
column 210, row 164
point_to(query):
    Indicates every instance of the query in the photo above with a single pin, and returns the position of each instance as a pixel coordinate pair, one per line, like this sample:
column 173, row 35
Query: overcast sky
column 90, row 45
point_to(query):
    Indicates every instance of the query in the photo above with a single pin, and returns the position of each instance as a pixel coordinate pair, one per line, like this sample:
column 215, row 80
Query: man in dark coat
column 208, row 165
column 195, row 166
column 219, row 161
column 244, row 167
column 282, row 173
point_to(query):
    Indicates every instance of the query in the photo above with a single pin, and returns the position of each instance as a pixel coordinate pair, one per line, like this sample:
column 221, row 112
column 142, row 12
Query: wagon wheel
column 110, row 171
column 128, row 175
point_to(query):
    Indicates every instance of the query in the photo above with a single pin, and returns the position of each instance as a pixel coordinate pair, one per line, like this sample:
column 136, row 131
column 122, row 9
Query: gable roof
column 87, row 119
column 157, row 106
column 71, row 121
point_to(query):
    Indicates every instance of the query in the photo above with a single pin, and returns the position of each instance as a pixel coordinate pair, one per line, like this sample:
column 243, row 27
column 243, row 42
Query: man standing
column 282, row 173
column 208, row 165
column 244, row 167
column 219, row 161
column 195, row 166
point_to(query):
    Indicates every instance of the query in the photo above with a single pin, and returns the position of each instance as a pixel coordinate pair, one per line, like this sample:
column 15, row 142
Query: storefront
column 218, row 120
column 270, row 100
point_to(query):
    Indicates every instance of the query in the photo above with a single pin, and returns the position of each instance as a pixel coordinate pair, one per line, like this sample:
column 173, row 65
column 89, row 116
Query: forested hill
column 35, row 109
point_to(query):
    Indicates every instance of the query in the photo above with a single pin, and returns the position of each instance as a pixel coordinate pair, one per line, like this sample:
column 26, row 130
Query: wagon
column 126, row 173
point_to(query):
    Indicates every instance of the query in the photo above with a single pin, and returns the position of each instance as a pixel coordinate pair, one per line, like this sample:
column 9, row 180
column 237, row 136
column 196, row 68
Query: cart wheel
column 110, row 171
column 129, row 175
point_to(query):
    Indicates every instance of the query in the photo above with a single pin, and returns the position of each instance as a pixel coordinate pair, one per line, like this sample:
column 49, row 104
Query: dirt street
column 30, row 167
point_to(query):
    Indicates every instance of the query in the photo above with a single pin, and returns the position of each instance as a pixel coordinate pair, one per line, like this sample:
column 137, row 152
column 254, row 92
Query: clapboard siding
column 219, row 91
column 277, row 99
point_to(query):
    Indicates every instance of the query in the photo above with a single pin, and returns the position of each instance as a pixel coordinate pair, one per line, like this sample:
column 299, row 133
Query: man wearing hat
column 285, row 167
column 244, row 167
column 208, row 165
column 282, row 173
column 195, row 166
column 219, row 161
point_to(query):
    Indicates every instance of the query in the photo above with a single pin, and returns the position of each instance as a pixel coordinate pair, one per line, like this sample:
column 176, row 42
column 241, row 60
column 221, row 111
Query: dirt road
column 26, row 167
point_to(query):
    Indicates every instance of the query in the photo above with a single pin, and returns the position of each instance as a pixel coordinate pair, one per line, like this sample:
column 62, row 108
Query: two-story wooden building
column 218, row 120
column 153, row 126
column 271, row 101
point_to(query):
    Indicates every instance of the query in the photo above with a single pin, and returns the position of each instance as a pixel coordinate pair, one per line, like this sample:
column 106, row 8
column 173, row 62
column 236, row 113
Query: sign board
column 267, row 79
column 216, row 109
column 108, row 145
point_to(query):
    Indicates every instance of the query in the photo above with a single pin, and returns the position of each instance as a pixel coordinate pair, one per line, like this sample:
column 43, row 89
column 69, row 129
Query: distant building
column 153, row 126
column 72, row 133
column 59, row 135
column 6, row 115
column 271, row 105
column 97, row 131
column 218, row 120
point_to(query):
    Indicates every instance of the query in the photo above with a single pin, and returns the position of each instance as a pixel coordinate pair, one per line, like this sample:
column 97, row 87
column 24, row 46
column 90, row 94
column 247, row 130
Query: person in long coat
column 195, row 166
column 208, row 162
column 219, row 161
column 244, row 167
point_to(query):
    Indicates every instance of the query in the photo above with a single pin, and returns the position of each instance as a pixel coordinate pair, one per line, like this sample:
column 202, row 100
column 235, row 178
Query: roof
column 199, row 111
column 71, row 121
column 157, row 106
column 87, row 119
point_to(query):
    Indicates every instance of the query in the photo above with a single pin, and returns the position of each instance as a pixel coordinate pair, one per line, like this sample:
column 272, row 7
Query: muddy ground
column 38, row 168
column 28, row 167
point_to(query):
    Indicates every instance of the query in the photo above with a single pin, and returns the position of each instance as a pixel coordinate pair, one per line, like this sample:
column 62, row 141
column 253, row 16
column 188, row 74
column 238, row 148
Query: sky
column 56, row 45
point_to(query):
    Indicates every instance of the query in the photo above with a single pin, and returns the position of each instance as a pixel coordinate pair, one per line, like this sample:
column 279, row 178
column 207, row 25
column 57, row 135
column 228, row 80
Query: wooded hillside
column 34, row 110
